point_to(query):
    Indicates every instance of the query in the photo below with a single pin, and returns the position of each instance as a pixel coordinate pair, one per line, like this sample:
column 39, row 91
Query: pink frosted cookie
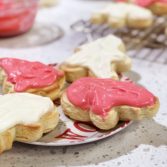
column 18, row 75
column 105, row 101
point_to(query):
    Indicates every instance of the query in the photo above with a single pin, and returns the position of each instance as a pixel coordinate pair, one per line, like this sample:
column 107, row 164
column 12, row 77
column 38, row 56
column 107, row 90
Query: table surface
column 143, row 144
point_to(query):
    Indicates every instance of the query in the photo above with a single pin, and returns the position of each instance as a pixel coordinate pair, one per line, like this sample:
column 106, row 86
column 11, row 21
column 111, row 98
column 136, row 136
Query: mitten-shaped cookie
column 105, row 101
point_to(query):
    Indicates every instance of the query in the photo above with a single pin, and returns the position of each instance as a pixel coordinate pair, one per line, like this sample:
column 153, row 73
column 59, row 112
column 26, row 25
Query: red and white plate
column 69, row 132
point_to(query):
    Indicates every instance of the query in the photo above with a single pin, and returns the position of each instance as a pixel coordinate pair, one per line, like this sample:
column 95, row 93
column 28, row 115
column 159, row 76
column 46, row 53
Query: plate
column 69, row 132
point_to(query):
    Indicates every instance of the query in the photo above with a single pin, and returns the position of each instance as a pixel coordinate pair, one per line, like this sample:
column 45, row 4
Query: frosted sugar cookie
column 18, row 75
column 102, row 58
column 106, row 101
column 25, row 117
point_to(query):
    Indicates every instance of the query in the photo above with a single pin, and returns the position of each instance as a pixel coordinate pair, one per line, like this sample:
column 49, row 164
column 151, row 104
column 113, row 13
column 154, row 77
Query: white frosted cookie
column 103, row 58
column 119, row 15
column 25, row 117
column 109, row 42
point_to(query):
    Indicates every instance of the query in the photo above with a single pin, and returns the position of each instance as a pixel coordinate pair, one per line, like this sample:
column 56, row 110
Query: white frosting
column 107, row 43
column 126, row 11
column 100, row 56
column 22, row 108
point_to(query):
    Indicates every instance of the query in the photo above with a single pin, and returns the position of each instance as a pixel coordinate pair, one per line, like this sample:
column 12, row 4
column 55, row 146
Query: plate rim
column 87, row 141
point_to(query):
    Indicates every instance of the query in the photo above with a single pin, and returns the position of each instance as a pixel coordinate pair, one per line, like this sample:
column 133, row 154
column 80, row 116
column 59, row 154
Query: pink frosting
column 16, row 17
column 145, row 3
column 100, row 95
column 25, row 74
